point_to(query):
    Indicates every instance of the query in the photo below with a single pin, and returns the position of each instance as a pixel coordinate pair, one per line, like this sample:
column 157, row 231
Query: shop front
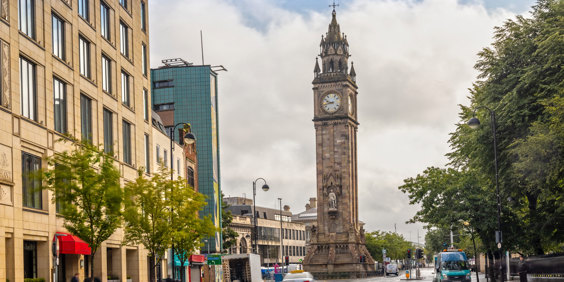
column 68, row 256
column 195, row 268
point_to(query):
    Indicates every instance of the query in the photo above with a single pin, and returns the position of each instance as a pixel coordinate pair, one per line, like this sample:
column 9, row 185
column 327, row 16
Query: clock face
column 331, row 103
column 350, row 105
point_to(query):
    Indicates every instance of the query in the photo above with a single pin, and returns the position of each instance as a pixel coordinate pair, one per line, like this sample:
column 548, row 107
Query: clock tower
column 337, row 243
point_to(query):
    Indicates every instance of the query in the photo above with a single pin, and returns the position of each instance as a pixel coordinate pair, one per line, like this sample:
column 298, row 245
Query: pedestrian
column 523, row 269
column 75, row 278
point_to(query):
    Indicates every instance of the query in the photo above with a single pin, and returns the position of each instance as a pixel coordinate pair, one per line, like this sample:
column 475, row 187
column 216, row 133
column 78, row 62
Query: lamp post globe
column 474, row 123
column 265, row 187
column 189, row 138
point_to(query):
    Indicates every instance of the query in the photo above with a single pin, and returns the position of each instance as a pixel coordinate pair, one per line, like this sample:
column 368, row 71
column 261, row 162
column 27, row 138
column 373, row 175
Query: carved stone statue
column 332, row 200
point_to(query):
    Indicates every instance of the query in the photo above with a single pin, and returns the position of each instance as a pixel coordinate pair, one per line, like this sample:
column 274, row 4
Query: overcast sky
column 414, row 63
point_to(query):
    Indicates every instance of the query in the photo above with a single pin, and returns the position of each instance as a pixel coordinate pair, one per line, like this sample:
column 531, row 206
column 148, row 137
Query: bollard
column 407, row 274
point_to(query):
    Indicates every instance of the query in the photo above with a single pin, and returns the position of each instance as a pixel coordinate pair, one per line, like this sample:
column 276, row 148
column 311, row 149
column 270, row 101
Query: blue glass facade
column 193, row 91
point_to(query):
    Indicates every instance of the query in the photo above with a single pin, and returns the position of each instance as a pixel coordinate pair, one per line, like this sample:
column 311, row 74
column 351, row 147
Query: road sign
column 214, row 259
column 384, row 251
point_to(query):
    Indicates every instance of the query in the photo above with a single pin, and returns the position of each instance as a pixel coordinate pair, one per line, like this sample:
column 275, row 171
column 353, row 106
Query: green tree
column 148, row 215
column 229, row 235
column 396, row 246
column 521, row 74
column 86, row 184
column 188, row 228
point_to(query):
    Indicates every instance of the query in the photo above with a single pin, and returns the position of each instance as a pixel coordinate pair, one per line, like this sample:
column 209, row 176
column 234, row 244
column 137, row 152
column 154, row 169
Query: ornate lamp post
column 264, row 188
column 189, row 138
column 474, row 123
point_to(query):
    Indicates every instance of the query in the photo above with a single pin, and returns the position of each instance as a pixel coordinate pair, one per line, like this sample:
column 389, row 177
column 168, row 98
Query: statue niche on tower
column 333, row 187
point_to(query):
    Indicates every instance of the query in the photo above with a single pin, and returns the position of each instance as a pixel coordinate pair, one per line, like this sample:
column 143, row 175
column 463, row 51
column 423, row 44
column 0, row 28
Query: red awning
column 71, row 244
column 197, row 258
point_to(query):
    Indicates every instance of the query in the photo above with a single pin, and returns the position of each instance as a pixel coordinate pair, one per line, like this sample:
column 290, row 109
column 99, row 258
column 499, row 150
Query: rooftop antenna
column 334, row 5
column 202, row 46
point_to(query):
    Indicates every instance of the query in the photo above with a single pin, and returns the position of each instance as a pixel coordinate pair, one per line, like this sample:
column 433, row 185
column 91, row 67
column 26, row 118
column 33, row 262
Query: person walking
column 523, row 269
column 75, row 278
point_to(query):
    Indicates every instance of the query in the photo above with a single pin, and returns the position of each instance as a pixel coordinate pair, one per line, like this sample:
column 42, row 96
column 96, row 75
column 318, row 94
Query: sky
column 414, row 62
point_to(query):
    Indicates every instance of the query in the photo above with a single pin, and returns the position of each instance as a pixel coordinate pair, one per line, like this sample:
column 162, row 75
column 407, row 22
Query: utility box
column 241, row 267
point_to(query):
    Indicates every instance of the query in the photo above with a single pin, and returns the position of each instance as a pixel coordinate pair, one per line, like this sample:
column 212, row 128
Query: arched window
column 243, row 246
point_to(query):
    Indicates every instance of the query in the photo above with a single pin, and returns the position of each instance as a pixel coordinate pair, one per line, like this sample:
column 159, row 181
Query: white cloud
column 414, row 61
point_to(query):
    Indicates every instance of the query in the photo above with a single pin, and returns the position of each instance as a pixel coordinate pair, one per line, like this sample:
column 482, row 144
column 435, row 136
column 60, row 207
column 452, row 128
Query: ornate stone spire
column 334, row 52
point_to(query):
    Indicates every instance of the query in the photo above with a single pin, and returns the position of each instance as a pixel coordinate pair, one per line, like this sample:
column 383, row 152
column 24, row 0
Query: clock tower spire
column 337, row 243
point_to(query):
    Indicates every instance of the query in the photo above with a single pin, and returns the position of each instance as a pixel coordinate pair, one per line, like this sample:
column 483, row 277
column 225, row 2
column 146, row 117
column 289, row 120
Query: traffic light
column 362, row 258
column 287, row 259
column 422, row 253
column 408, row 253
column 418, row 253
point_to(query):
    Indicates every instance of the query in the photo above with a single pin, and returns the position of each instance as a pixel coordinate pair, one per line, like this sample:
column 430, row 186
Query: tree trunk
column 534, row 221
column 492, row 266
column 92, row 267
column 152, row 269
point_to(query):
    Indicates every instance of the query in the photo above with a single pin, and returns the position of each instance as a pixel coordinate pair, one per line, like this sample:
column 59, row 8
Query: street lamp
column 188, row 139
column 281, row 236
column 264, row 188
column 474, row 123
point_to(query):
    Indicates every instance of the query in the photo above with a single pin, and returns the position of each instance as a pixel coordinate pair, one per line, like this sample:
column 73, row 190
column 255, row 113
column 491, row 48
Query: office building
column 269, row 224
column 78, row 68
column 186, row 93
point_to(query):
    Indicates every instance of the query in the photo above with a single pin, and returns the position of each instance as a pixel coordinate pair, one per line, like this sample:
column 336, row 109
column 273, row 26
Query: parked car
column 299, row 276
column 392, row 269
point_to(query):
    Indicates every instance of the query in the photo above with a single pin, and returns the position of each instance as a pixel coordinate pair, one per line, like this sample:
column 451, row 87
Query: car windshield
column 455, row 265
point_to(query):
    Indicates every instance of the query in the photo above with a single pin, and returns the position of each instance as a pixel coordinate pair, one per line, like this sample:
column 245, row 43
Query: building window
column 158, row 153
column 165, row 158
column 27, row 89
column 83, row 9
column 144, row 58
column 58, row 37
column 145, row 105
column 123, row 3
column 30, row 259
column 84, row 56
column 124, row 39
column 126, row 142
column 26, row 13
column 164, row 107
column 163, row 84
column 108, row 131
column 106, row 74
column 86, row 117
column 105, row 20
column 125, row 89
column 143, row 17
column 31, row 184
column 190, row 176
column 60, row 105
column 178, row 166
column 147, row 159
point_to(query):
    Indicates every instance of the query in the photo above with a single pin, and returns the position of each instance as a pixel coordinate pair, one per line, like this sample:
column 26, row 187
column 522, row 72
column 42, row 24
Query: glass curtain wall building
column 191, row 92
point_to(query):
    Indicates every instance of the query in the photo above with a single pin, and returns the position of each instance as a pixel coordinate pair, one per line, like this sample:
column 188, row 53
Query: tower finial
column 334, row 5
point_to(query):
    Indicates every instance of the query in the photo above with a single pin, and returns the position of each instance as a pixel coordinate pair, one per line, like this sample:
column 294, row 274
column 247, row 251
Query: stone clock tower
column 337, row 243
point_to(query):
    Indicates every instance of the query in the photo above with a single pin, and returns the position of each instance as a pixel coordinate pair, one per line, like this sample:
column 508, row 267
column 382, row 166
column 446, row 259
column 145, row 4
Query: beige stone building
column 77, row 67
column 269, row 223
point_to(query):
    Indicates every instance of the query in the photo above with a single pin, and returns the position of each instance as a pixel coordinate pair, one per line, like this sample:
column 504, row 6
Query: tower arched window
column 331, row 66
